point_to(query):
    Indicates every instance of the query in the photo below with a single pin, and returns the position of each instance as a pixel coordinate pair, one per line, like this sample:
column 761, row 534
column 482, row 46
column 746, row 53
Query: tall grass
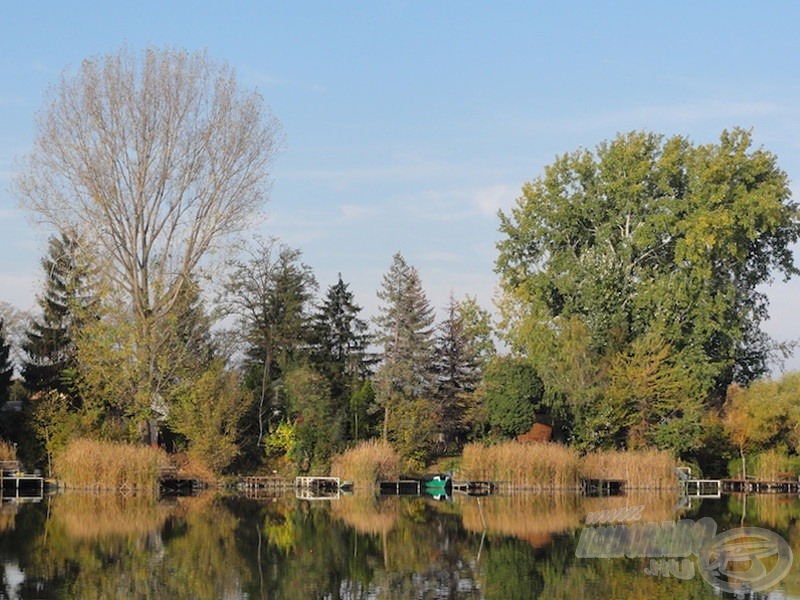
column 640, row 469
column 772, row 465
column 517, row 466
column 88, row 464
column 8, row 451
column 366, row 464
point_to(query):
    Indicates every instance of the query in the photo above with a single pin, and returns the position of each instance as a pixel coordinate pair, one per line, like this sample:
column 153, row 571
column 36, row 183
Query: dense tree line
column 631, row 297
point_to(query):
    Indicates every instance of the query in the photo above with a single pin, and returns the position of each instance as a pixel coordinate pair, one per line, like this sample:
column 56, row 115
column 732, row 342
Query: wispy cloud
column 682, row 113
column 259, row 78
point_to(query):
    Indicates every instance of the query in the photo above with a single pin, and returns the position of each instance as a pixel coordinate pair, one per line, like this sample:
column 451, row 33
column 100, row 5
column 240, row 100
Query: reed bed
column 8, row 451
column 640, row 469
column 534, row 518
column 92, row 465
column 517, row 466
column 366, row 464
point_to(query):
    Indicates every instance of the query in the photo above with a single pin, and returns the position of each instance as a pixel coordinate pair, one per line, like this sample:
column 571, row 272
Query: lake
column 79, row 545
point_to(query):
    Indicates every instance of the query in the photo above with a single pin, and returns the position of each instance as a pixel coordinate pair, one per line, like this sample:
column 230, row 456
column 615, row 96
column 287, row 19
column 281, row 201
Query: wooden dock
column 17, row 485
column 318, row 488
column 752, row 486
column 602, row 487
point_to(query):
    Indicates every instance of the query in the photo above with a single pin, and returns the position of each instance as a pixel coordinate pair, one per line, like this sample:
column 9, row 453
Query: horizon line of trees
column 630, row 279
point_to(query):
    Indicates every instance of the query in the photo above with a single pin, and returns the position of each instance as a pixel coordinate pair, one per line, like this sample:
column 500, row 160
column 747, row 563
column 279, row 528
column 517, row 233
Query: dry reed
column 8, row 451
column 639, row 469
column 518, row 466
column 87, row 464
column 366, row 464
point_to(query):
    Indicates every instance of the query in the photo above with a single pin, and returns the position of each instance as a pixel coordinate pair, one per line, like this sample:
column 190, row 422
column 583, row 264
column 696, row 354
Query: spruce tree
column 457, row 367
column 405, row 379
column 6, row 365
column 50, row 354
column 340, row 339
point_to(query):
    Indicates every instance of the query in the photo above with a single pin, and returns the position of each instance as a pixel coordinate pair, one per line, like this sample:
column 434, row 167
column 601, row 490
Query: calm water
column 86, row 546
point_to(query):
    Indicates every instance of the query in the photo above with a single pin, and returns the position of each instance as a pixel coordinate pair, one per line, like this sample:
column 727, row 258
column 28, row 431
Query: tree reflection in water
column 113, row 546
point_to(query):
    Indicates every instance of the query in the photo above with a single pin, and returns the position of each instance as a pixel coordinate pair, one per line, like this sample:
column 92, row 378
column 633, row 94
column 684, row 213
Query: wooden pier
column 474, row 488
column 752, row 486
column 17, row 485
column 318, row 488
column 602, row 487
column 401, row 487
column 702, row 488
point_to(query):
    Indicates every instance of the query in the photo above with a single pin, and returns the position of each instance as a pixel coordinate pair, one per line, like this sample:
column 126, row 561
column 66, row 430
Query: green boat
column 437, row 484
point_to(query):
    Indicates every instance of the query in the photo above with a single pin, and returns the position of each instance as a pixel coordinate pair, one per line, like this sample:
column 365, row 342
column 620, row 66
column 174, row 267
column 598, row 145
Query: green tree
column 270, row 293
column 514, row 395
column 6, row 365
column 404, row 379
column 150, row 162
column 50, row 361
column 462, row 343
column 109, row 381
column 647, row 233
column 650, row 400
column 318, row 418
column 762, row 415
column 339, row 343
column 208, row 412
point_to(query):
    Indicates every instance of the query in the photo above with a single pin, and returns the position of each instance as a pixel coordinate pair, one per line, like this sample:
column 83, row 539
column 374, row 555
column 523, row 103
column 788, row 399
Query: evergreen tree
column 50, row 354
column 340, row 339
column 405, row 378
column 457, row 367
column 6, row 365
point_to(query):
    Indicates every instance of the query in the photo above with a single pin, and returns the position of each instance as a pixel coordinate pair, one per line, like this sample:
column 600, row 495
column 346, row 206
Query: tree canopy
column 647, row 235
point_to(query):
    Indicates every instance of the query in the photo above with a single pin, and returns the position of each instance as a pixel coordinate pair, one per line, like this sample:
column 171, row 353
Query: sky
column 408, row 125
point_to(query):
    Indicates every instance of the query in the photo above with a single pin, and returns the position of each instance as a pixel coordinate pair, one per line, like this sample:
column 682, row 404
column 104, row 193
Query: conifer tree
column 340, row 339
column 457, row 365
column 405, row 378
column 49, row 347
column 6, row 365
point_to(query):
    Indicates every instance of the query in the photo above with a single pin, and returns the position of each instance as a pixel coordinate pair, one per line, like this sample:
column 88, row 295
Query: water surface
column 79, row 545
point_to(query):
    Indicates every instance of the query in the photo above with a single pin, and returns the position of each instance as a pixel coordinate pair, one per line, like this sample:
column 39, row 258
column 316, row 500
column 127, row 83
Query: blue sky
column 409, row 124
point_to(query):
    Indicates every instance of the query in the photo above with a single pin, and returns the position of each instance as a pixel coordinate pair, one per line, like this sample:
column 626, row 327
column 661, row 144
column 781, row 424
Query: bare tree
column 151, row 161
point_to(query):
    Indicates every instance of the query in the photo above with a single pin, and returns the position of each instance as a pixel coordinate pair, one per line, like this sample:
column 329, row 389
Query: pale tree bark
column 151, row 162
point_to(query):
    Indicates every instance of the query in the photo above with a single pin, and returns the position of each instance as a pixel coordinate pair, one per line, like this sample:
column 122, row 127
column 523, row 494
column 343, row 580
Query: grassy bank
column 92, row 465
column 514, row 465
column 367, row 464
